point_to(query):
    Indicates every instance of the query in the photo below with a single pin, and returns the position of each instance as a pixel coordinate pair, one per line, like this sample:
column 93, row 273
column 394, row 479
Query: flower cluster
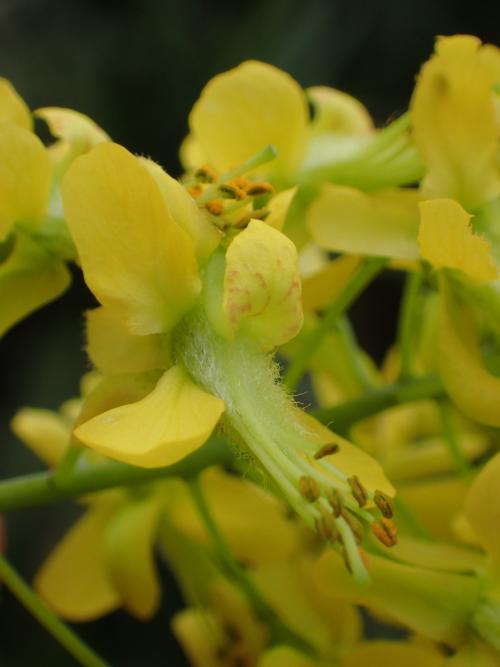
column 220, row 294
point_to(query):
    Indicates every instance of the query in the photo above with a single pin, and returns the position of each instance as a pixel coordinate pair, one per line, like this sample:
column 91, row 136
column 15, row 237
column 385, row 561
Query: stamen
column 205, row 174
column 336, row 501
column 215, row 207
column 259, row 188
column 384, row 503
column 358, row 490
column 327, row 450
column 385, row 531
column 309, row 488
column 326, row 526
column 262, row 157
column 195, row 191
column 354, row 525
column 230, row 192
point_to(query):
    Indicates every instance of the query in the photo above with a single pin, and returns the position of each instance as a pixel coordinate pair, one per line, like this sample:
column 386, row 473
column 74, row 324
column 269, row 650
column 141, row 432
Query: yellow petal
column 278, row 208
column 72, row 126
column 172, row 421
column 446, row 240
column 13, row 109
column 351, row 460
column 454, row 123
column 435, row 555
column 118, row 389
column 331, row 626
column 135, row 257
column 191, row 153
column 198, row 635
column 129, row 548
column 323, row 286
column 436, row 604
column 482, row 509
column 74, row 579
column 112, row 349
column 470, row 385
column 432, row 456
column 242, row 111
column 46, row 433
column 385, row 653
column 435, row 503
column 383, row 224
column 338, row 113
column 266, row 535
column 262, row 286
column 29, row 278
column 25, row 174
column 185, row 212
column 285, row 656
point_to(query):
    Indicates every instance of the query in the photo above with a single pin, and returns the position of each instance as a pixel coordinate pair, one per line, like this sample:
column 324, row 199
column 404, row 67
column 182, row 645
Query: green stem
column 364, row 275
column 280, row 632
column 407, row 322
column 344, row 415
column 451, row 437
column 44, row 488
column 67, row 463
column 59, row 630
column 352, row 353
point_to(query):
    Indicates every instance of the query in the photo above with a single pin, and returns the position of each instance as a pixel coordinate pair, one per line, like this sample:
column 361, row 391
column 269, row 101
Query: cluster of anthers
column 342, row 510
column 231, row 199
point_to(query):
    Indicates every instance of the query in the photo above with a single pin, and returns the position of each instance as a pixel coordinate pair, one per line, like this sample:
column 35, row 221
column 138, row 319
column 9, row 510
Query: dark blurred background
column 136, row 67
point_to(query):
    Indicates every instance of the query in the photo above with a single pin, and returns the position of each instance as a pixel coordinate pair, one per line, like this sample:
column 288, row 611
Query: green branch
column 59, row 630
column 344, row 415
column 363, row 277
column 48, row 487
column 408, row 321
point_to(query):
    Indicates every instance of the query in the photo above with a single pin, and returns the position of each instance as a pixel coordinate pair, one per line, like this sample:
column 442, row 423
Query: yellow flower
column 165, row 287
column 454, row 121
column 35, row 240
column 226, row 633
column 106, row 559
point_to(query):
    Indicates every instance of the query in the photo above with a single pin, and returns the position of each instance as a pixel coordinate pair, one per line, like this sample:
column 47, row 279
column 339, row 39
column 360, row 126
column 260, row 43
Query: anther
column 205, row 174
column 326, row 526
column 383, row 502
column 358, row 490
column 385, row 531
column 195, row 191
column 354, row 525
column 231, row 192
column 327, row 450
column 336, row 501
column 215, row 207
column 309, row 488
column 347, row 562
column 258, row 189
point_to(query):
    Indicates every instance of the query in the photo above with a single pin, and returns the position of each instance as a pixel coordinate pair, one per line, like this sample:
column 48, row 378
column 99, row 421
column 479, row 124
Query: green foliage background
column 136, row 67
